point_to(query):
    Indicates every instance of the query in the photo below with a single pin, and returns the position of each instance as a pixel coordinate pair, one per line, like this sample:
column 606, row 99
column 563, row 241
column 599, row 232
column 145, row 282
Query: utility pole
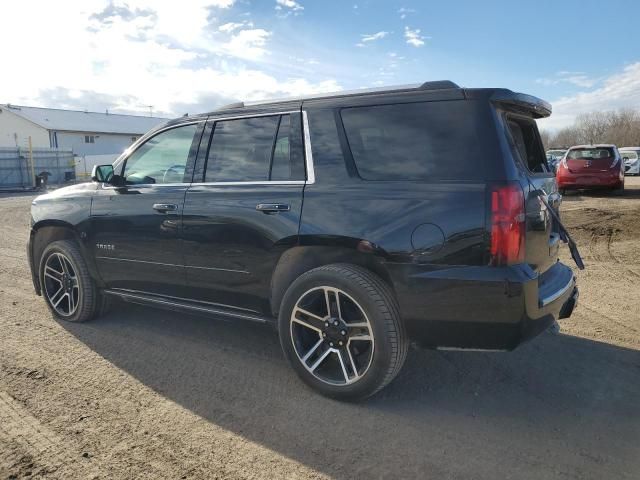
column 32, row 168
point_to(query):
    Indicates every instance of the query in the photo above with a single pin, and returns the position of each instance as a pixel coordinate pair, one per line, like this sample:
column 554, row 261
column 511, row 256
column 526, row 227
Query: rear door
column 542, row 240
column 245, row 209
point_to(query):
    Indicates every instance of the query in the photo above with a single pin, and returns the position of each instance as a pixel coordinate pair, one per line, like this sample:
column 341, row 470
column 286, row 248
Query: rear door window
column 253, row 150
column 241, row 150
column 415, row 141
column 527, row 144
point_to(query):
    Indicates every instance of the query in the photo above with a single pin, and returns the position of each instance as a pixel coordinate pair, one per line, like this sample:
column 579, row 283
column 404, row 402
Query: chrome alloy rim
column 332, row 336
column 61, row 284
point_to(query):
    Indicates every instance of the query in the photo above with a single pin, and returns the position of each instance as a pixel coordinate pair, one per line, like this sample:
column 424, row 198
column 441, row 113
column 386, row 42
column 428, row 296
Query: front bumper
column 484, row 308
column 32, row 266
column 632, row 169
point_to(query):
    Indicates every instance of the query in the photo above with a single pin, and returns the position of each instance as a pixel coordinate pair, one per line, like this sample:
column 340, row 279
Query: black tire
column 376, row 300
column 618, row 191
column 89, row 302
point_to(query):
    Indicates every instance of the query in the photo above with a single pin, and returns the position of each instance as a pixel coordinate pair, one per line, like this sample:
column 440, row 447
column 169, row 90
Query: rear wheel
column 67, row 287
column 341, row 331
column 619, row 190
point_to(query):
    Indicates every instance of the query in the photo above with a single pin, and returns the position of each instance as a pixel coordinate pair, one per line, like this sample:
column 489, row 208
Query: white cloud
column 404, row 11
column 374, row 36
column 620, row 90
column 413, row 37
column 221, row 3
column 232, row 26
column 248, row 44
column 579, row 79
column 290, row 4
column 136, row 54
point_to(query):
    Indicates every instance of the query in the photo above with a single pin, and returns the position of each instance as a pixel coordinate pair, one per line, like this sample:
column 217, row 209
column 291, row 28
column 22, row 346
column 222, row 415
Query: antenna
column 150, row 107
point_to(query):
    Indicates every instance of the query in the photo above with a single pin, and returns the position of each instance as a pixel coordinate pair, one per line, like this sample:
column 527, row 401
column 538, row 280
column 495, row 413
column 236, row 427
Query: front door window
column 162, row 159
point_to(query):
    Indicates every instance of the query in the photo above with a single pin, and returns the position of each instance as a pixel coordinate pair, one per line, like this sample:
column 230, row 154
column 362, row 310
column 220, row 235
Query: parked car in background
column 631, row 160
column 591, row 167
column 553, row 158
column 356, row 223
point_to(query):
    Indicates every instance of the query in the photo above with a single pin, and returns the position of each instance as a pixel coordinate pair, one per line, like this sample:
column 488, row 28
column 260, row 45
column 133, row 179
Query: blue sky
column 194, row 55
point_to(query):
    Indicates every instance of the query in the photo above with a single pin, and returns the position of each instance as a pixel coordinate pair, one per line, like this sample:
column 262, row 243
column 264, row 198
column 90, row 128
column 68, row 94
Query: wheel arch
column 44, row 233
column 304, row 257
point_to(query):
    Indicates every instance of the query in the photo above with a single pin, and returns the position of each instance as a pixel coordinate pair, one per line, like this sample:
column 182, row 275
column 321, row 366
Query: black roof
column 439, row 90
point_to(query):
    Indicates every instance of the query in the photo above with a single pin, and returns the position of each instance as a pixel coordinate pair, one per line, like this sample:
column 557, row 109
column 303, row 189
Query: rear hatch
column 590, row 160
column 542, row 232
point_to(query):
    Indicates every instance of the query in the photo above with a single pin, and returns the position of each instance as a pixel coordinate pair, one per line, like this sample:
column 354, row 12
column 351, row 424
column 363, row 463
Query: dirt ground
column 145, row 393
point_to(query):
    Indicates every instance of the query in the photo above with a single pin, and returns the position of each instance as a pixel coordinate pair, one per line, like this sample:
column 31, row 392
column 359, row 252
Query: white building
column 86, row 133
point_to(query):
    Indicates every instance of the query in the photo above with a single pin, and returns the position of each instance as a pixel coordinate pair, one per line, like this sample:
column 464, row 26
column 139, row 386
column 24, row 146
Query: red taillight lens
column 507, row 225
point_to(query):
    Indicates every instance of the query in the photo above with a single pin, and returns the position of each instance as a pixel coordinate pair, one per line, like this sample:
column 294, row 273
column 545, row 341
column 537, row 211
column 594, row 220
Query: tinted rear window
column 415, row 141
column 590, row 153
column 526, row 140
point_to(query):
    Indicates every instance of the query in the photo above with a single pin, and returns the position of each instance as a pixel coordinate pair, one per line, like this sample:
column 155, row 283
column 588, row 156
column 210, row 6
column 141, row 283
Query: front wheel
column 67, row 286
column 341, row 331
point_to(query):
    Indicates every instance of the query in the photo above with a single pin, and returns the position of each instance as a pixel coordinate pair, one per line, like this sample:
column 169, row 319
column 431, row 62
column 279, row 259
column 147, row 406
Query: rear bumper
column 570, row 180
column 482, row 307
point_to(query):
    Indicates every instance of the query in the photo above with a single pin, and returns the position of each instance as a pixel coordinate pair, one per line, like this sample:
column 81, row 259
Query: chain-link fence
column 24, row 168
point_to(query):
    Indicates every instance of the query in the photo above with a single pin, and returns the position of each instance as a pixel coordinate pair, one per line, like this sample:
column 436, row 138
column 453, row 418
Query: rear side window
column 528, row 146
column 415, row 141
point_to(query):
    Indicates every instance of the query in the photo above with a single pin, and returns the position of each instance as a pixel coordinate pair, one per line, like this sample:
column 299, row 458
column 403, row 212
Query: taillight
column 563, row 162
column 507, row 224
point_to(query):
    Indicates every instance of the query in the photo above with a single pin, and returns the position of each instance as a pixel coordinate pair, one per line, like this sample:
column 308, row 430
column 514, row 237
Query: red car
column 591, row 166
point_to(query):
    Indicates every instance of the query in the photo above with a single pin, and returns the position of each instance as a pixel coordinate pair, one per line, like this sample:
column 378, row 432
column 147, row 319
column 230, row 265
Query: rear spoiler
column 521, row 102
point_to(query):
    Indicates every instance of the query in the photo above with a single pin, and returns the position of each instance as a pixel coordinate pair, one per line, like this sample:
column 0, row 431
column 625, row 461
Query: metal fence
column 19, row 166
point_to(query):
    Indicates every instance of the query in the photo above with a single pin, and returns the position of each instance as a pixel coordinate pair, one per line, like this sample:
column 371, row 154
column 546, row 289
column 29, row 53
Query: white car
column 631, row 158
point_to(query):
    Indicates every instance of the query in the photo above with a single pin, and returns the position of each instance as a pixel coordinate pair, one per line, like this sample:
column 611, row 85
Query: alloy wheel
column 332, row 336
column 61, row 284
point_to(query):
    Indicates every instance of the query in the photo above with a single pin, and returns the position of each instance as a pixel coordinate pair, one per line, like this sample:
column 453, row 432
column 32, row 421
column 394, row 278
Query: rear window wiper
column 564, row 235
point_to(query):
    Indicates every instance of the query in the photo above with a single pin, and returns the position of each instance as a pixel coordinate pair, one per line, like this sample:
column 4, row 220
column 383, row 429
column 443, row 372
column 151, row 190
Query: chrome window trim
column 139, row 143
column 257, row 182
column 250, row 115
column 308, row 155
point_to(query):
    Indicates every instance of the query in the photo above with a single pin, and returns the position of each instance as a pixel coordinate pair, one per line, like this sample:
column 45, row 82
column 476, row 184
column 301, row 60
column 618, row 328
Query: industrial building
column 85, row 133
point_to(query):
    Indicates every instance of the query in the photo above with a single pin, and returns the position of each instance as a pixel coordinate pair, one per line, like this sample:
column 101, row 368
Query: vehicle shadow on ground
column 630, row 192
column 559, row 403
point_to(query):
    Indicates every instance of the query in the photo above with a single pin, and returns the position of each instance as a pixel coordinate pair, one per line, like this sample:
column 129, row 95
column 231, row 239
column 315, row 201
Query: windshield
column 629, row 154
column 590, row 153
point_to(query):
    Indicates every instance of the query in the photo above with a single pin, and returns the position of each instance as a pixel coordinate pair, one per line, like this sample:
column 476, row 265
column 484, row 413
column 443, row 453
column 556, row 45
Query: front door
column 246, row 209
column 137, row 227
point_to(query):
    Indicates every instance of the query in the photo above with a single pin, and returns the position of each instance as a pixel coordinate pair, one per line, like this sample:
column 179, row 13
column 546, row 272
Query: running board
column 176, row 304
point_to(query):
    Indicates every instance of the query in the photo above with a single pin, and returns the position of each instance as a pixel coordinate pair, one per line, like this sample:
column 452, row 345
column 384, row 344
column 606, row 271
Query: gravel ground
column 145, row 393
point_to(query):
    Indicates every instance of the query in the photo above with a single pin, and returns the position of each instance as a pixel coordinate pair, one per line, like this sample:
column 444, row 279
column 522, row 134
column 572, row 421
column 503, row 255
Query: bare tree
column 621, row 128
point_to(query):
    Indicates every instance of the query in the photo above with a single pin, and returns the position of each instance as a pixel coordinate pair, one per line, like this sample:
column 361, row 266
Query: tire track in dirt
column 30, row 439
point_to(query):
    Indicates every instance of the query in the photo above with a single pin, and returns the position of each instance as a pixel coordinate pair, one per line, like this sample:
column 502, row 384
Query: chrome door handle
column 165, row 207
column 273, row 207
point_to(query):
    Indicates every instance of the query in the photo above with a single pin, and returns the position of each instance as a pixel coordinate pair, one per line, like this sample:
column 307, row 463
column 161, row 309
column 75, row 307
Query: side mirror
column 102, row 173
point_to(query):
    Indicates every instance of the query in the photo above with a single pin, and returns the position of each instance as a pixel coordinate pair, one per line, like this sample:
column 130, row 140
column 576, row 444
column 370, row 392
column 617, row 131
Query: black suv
column 355, row 222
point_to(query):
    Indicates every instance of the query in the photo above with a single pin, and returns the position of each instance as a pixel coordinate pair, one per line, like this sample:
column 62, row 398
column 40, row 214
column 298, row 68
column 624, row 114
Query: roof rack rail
column 232, row 106
column 439, row 85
